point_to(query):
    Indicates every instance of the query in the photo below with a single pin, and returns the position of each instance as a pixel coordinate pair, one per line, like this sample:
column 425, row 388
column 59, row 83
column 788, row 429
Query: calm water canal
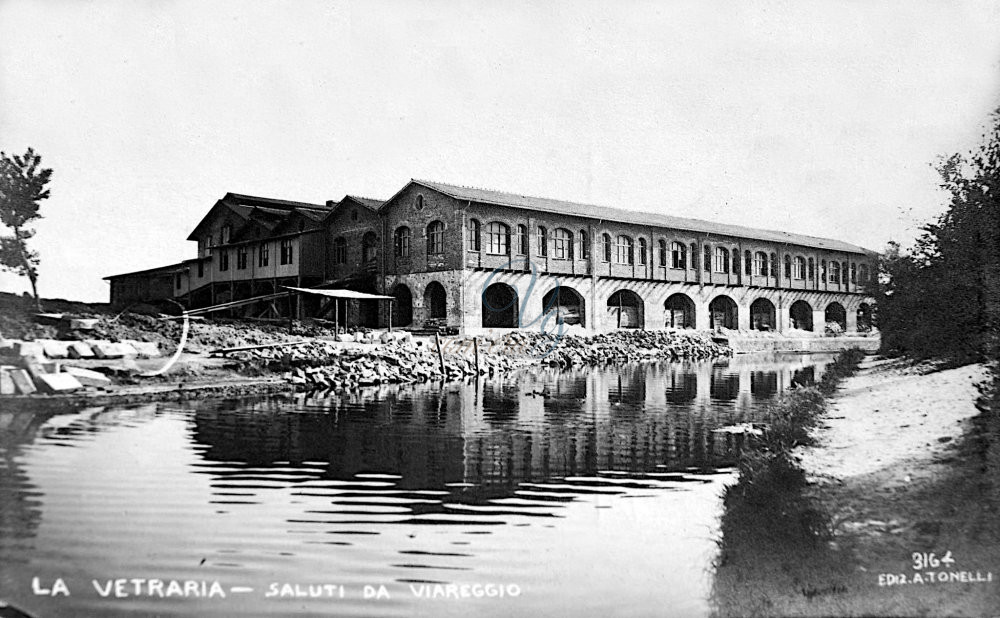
column 591, row 492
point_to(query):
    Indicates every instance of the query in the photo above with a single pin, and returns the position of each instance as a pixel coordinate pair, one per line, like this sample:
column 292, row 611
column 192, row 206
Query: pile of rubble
column 616, row 347
column 400, row 359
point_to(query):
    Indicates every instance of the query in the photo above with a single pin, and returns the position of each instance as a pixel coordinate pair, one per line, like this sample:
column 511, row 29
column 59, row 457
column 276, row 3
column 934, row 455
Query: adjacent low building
column 476, row 260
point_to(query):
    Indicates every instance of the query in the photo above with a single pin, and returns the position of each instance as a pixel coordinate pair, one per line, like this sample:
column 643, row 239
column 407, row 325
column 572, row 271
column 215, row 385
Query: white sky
column 819, row 118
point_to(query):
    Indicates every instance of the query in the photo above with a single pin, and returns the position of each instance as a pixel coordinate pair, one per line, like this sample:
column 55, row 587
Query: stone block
column 58, row 383
column 6, row 382
column 88, row 377
column 29, row 349
column 55, row 349
column 106, row 349
column 83, row 323
column 79, row 349
column 345, row 337
column 22, row 381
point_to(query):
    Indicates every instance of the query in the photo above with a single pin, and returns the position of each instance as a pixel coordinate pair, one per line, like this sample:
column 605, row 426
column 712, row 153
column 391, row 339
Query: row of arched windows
column 622, row 250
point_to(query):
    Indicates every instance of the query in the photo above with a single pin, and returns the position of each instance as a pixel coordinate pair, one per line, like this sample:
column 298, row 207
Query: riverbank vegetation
column 771, row 529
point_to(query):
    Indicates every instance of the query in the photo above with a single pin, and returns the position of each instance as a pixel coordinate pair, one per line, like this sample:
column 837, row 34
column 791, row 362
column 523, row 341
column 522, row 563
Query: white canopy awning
column 341, row 293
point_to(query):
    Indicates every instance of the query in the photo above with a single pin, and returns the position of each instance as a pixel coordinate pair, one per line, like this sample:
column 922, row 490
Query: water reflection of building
column 542, row 425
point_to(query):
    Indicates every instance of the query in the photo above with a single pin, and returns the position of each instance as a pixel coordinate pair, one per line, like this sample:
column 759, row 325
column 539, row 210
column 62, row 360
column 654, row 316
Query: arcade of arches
column 501, row 307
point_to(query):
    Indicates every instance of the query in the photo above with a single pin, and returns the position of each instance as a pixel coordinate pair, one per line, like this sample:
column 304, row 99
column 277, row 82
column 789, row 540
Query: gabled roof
column 245, row 206
column 367, row 203
column 604, row 213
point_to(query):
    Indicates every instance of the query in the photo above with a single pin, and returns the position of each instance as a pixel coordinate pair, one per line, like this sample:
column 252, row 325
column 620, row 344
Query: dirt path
column 891, row 416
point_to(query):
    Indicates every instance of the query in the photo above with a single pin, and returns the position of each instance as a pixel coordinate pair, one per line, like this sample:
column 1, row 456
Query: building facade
column 477, row 261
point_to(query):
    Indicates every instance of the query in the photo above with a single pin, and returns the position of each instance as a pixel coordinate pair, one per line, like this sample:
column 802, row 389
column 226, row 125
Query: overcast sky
column 819, row 118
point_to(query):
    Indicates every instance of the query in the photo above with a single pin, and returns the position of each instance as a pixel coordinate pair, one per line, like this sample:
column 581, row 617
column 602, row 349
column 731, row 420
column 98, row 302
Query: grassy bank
column 775, row 548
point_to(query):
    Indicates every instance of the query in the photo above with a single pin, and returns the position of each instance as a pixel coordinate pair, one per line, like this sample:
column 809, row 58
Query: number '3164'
column 924, row 560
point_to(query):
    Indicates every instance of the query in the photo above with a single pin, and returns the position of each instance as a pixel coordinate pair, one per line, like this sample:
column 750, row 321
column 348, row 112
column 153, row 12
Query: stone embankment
column 398, row 358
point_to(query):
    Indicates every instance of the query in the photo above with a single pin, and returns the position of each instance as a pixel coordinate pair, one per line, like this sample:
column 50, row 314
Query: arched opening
column 402, row 307
column 762, row 315
column 723, row 313
column 567, row 305
column 435, row 301
column 835, row 313
column 678, row 311
column 625, row 309
column 369, row 247
column 864, row 318
column 499, row 306
column 801, row 314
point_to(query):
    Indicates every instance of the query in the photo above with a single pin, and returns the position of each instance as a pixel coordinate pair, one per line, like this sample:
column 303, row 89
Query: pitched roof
column 159, row 270
column 368, row 202
column 605, row 213
column 253, row 200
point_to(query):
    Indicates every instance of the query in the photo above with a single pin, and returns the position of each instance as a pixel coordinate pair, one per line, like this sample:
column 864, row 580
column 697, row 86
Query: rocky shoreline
column 323, row 365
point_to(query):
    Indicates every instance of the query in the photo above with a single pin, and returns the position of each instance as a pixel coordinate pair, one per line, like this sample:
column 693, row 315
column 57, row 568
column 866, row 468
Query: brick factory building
column 474, row 260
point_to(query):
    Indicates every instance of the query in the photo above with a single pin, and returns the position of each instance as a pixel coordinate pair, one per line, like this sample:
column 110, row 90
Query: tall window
column 286, row 251
column 854, row 273
column 340, row 250
column 435, row 238
column 369, row 247
column 606, row 241
column 401, row 242
column 678, row 255
column 522, row 239
column 562, row 244
column 263, row 254
column 760, row 264
column 822, row 271
column 799, row 267
column 474, row 241
column 834, row 272
column 241, row 257
column 584, row 245
column 774, row 265
column 626, row 250
column 224, row 260
column 747, row 262
column 707, row 261
column 736, row 260
column 721, row 260
column 812, row 269
column 201, row 268
column 694, row 256
column 863, row 274
column 788, row 266
column 642, row 250
column 542, row 238
column 843, row 273
column 227, row 233
column 497, row 239
column 663, row 252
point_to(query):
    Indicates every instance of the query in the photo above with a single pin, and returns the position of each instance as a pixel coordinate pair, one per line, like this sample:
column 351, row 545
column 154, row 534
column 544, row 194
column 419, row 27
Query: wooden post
column 390, row 316
column 437, row 342
column 289, row 311
column 475, row 346
column 336, row 315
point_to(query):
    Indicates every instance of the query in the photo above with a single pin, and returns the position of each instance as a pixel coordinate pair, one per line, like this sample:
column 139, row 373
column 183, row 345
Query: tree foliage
column 942, row 298
column 23, row 183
